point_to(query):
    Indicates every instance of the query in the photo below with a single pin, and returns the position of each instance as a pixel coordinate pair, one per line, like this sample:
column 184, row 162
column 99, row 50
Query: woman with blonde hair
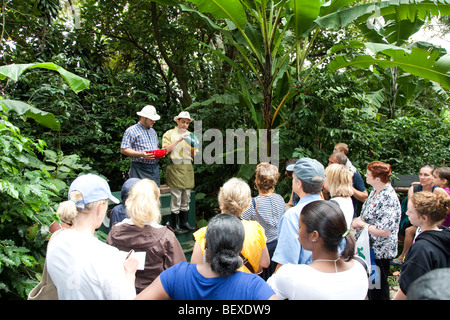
column 234, row 198
column 267, row 208
column 142, row 232
column 81, row 266
column 339, row 183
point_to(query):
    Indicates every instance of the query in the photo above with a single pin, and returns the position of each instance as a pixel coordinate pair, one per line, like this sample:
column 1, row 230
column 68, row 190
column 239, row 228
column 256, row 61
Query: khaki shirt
column 179, row 173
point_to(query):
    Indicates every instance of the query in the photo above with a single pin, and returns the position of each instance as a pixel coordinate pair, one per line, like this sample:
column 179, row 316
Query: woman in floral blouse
column 381, row 214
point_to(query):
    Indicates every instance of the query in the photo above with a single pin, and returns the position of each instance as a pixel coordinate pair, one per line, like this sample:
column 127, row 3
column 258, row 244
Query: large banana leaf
column 404, row 9
column 334, row 6
column 305, row 12
column 13, row 71
column 393, row 31
column 417, row 61
column 226, row 9
column 46, row 119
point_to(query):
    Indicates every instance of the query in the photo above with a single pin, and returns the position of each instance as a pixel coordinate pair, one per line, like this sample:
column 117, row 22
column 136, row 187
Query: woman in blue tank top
column 216, row 278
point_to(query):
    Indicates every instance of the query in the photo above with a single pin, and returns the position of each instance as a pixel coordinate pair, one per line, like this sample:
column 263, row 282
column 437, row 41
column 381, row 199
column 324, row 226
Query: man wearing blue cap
column 307, row 182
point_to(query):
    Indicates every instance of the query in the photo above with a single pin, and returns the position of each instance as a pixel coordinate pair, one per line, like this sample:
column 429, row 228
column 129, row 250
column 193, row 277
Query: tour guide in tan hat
column 138, row 140
column 179, row 173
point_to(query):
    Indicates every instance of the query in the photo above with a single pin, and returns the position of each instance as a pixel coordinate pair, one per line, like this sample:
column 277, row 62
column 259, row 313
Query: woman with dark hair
column 442, row 180
column 427, row 182
column 330, row 275
column 216, row 278
column 380, row 214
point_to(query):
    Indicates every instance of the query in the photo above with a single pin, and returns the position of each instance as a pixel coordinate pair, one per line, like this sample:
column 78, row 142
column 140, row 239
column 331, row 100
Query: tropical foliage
column 33, row 179
column 75, row 72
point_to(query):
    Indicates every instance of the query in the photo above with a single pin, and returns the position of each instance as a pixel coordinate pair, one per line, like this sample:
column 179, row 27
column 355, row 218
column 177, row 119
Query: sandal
column 397, row 262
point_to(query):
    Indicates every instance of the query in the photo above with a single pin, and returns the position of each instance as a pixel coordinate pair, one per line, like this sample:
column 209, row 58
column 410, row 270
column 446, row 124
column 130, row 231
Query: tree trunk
column 177, row 70
column 267, row 104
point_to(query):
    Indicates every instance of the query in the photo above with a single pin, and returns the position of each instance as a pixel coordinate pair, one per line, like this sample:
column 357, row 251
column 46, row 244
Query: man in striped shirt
column 137, row 141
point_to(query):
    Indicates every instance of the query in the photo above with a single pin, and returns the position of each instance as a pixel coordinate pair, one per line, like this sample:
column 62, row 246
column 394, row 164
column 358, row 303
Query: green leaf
column 211, row 24
column 227, row 9
column 419, row 62
column 13, row 71
column 8, row 187
column 246, row 171
column 334, row 6
column 305, row 12
column 405, row 10
column 46, row 119
column 226, row 99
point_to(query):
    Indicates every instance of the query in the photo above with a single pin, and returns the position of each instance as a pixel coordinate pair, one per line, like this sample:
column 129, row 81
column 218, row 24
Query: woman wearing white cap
column 81, row 266
column 179, row 173
column 137, row 142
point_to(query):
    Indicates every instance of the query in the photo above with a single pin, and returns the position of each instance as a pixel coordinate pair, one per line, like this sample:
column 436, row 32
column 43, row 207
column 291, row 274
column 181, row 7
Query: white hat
column 149, row 112
column 183, row 115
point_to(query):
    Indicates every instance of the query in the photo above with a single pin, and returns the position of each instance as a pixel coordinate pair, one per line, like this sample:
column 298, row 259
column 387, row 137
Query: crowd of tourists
column 256, row 248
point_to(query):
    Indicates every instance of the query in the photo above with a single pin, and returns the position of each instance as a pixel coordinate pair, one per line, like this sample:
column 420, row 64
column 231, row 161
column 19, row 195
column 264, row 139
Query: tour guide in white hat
column 138, row 140
column 179, row 173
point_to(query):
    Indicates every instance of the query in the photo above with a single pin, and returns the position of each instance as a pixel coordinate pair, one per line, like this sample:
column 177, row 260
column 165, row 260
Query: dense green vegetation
column 344, row 71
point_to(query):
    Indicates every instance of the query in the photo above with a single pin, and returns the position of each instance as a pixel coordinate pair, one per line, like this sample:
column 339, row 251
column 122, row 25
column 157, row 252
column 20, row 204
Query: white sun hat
column 149, row 112
column 183, row 115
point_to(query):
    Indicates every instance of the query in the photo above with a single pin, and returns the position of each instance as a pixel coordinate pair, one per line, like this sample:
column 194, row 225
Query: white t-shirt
column 84, row 268
column 303, row 282
column 346, row 205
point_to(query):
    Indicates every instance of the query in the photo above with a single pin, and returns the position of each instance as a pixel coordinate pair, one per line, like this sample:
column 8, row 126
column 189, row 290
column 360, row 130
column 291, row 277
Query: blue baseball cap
column 308, row 170
column 93, row 188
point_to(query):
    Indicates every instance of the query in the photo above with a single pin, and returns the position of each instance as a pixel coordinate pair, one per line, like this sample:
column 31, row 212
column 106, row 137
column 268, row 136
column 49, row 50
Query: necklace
column 327, row 260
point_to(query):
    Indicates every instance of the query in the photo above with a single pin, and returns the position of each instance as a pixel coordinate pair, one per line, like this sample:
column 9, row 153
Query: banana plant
column 274, row 39
column 388, row 36
column 401, row 66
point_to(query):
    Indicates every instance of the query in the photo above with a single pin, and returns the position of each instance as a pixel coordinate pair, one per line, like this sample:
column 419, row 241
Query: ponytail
column 349, row 250
column 68, row 210
column 327, row 219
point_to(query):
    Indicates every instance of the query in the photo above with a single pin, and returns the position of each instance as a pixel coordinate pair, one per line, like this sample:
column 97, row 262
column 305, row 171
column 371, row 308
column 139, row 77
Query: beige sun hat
column 183, row 115
column 149, row 112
